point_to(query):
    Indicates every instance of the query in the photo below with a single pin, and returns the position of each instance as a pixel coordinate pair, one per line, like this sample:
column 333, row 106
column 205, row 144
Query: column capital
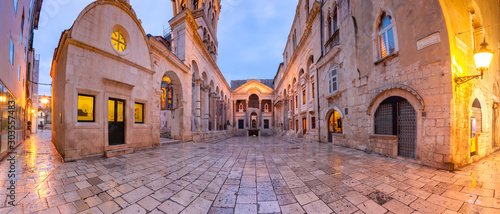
column 198, row 81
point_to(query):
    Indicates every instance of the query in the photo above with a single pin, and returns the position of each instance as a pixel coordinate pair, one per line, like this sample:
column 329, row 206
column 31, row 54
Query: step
column 118, row 152
column 167, row 141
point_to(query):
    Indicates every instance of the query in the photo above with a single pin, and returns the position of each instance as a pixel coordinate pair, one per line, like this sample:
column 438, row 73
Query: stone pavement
column 244, row 175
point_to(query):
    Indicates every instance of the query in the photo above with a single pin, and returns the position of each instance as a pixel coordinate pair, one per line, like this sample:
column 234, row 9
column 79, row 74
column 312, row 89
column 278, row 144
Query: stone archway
column 171, row 106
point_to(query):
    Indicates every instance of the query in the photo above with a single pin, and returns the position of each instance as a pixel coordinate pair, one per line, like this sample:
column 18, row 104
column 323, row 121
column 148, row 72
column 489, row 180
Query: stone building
column 253, row 107
column 112, row 81
column 19, row 18
column 389, row 77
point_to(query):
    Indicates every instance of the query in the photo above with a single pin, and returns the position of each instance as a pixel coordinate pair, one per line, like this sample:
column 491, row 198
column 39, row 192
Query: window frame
column 143, row 113
column 93, row 108
column 331, row 79
column 383, row 34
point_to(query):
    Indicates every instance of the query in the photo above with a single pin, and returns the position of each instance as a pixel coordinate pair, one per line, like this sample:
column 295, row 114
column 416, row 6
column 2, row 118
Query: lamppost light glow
column 483, row 57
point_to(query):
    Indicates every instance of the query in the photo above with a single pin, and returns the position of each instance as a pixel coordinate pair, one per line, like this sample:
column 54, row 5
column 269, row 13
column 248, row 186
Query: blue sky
column 252, row 33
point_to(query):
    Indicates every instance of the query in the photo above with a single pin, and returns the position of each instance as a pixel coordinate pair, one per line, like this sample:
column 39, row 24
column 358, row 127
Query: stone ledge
column 118, row 152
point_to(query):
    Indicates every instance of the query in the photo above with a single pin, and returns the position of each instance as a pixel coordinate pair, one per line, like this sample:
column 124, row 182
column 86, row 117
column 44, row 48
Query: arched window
column 385, row 40
column 240, row 109
column 266, row 108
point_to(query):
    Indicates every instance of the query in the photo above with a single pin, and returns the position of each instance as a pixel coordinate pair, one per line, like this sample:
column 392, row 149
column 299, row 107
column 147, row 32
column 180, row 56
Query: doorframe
column 126, row 121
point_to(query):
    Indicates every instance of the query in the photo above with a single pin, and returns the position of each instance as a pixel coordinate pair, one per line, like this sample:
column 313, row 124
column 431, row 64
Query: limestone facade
column 253, row 108
column 19, row 19
column 109, row 80
column 383, row 75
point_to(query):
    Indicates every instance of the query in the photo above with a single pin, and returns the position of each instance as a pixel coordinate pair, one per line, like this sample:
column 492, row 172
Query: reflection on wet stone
column 246, row 174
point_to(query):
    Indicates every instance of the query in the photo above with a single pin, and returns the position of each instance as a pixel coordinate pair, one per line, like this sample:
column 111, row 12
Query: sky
column 252, row 34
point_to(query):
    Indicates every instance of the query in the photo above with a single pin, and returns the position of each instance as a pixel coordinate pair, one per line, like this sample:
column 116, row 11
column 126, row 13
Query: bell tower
column 206, row 16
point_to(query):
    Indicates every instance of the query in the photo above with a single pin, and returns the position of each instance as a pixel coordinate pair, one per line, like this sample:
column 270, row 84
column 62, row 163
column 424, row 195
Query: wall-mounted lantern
column 482, row 57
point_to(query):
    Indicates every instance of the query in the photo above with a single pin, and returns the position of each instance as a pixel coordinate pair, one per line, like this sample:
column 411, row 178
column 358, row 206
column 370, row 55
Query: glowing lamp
column 32, row 110
column 3, row 98
column 44, row 100
column 482, row 58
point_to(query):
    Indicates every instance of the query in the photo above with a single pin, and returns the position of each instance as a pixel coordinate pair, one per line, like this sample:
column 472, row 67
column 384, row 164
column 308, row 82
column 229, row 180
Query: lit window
column 333, row 81
column 139, row 113
column 386, row 36
column 296, row 101
column 11, row 56
column 303, row 97
column 118, row 40
column 86, row 106
column 312, row 94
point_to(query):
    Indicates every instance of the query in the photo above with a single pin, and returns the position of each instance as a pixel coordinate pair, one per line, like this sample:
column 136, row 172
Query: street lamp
column 482, row 57
column 44, row 100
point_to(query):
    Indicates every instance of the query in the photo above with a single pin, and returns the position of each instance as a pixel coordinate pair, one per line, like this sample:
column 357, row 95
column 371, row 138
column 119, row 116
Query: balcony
column 333, row 41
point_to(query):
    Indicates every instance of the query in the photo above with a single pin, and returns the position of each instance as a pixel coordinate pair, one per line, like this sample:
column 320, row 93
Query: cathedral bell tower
column 205, row 14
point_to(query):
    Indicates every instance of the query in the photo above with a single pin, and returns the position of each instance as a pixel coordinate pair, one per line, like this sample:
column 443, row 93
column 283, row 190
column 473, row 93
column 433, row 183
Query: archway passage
column 396, row 116
column 476, row 126
column 170, row 124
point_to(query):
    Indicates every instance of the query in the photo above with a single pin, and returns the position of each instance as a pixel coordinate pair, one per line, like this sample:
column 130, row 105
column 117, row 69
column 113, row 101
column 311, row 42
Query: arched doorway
column 396, row 116
column 170, row 111
column 476, row 121
column 253, row 120
column 334, row 124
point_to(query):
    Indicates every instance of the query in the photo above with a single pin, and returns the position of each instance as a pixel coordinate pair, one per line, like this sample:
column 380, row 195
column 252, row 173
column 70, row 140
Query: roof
column 237, row 83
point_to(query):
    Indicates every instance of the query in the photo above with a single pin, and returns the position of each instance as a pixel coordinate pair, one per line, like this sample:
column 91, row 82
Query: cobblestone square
column 245, row 175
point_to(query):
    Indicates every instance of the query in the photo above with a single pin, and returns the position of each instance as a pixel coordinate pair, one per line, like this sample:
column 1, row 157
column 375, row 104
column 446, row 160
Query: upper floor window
column 386, row 42
column 294, row 39
column 312, row 86
column 240, row 109
column 332, row 23
column 296, row 101
column 303, row 97
column 333, row 81
column 11, row 52
column 266, row 108
column 22, row 26
column 15, row 6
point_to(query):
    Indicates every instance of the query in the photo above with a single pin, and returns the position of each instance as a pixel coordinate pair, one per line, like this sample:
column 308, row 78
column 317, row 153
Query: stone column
column 234, row 114
column 299, row 115
column 259, row 124
column 206, row 108
column 247, row 116
column 197, row 104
